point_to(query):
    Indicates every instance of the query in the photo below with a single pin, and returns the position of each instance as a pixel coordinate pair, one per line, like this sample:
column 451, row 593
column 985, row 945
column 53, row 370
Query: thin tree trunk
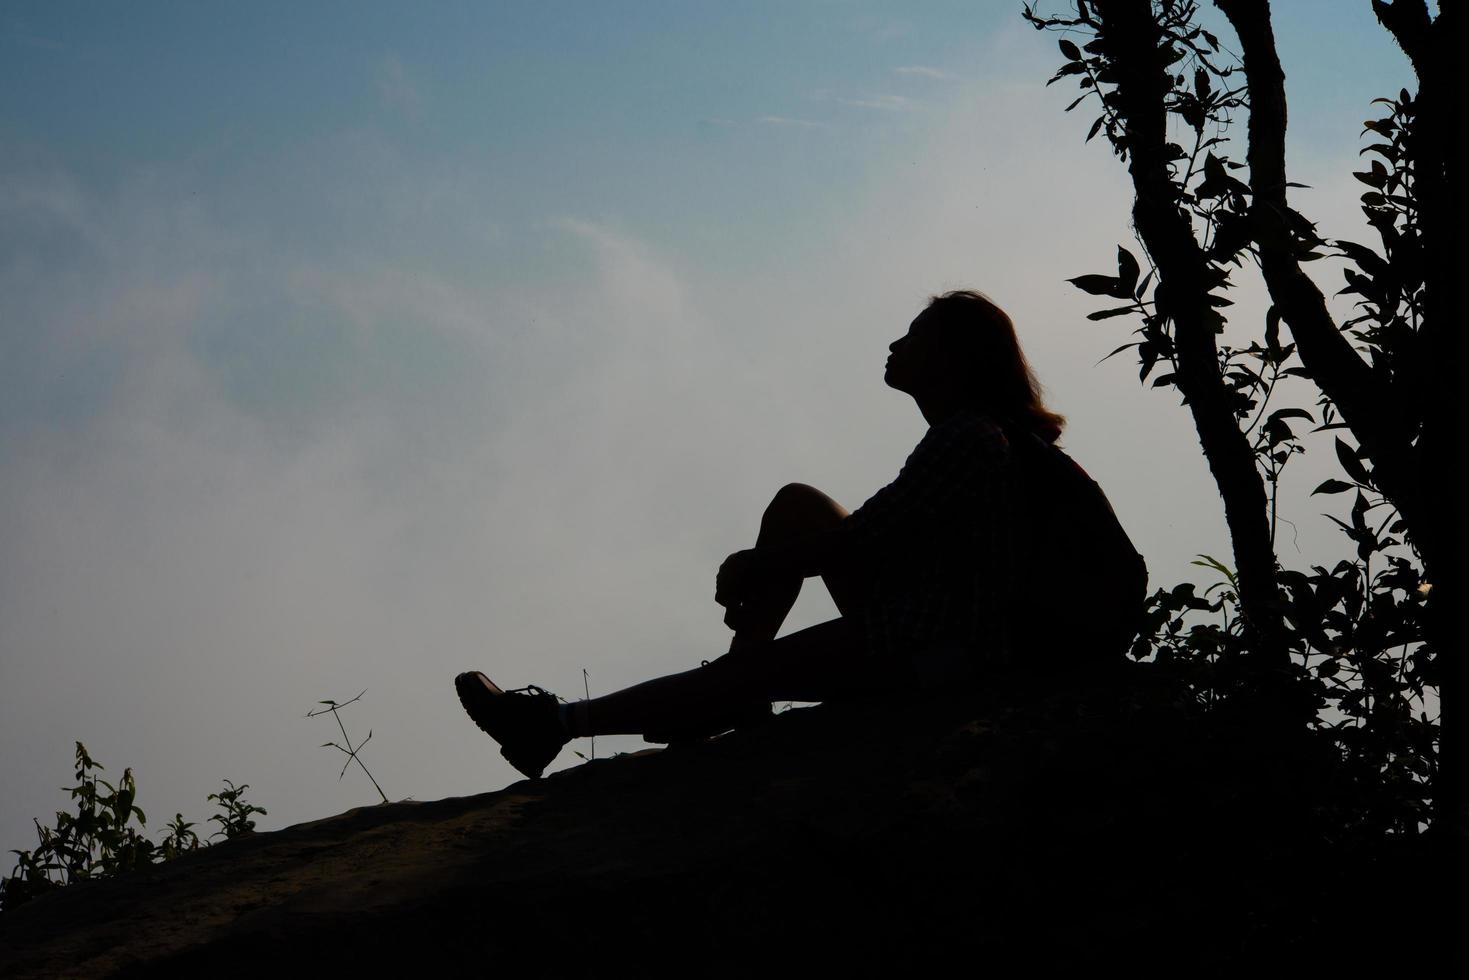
column 1420, row 479
column 1185, row 278
column 1383, row 428
column 1432, row 46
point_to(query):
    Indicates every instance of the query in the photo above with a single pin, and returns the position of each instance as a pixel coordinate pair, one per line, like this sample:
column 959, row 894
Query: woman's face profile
column 915, row 355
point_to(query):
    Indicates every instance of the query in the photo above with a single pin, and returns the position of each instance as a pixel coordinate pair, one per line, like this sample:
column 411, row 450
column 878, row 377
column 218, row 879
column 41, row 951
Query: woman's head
column 963, row 348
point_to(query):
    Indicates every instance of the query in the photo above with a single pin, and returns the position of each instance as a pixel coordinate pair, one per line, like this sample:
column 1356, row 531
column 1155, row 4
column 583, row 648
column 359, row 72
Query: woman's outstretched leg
column 815, row 664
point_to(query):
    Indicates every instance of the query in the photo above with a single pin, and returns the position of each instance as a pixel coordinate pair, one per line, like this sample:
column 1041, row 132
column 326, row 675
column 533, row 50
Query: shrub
column 106, row 835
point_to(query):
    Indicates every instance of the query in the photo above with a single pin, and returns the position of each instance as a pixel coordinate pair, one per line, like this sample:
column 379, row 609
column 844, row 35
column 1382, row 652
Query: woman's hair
column 1004, row 383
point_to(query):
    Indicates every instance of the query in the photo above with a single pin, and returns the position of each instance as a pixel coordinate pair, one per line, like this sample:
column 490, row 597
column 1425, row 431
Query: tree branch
column 1407, row 21
column 1380, row 425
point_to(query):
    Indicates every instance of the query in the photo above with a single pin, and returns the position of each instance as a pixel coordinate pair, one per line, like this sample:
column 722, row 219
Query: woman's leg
column 815, row 664
column 796, row 511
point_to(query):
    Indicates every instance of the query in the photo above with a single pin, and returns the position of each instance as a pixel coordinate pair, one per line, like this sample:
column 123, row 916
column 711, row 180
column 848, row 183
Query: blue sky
column 352, row 345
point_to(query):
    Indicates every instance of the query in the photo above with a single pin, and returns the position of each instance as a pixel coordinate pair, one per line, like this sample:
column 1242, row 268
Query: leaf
column 1214, row 563
column 1216, row 180
column 1376, row 177
column 1070, row 50
column 1127, row 269
column 1142, row 287
column 1099, row 285
column 1119, row 351
column 1070, row 68
column 1272, row 333
column 1201, row 84
column 1095, row 127
column 1332, row 486
column 1350, row 462
column 1107, row 314
column 1365, row 259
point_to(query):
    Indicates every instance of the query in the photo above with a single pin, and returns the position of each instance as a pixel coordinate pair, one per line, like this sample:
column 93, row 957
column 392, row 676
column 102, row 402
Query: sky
column 347, row 346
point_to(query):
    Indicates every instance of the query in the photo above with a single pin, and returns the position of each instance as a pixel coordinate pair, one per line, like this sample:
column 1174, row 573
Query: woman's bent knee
column 803, row 507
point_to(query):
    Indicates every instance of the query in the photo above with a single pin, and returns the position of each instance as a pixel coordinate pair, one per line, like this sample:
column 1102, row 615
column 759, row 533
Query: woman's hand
column 737, row 578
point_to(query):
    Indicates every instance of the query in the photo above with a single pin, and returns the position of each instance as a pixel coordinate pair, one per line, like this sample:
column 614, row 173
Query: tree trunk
column 1382, row 427
column 1420, row 479
column 1133, row 41
column 1444, row 345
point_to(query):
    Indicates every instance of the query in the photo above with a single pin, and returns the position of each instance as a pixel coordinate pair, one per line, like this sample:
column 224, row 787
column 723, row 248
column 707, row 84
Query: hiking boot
column 524, row 721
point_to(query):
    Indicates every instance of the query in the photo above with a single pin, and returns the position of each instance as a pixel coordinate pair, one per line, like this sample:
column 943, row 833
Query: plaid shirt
column 939, row 545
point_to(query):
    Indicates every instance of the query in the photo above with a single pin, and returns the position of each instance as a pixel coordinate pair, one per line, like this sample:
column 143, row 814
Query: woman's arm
column 953, row 459
column 744, row 571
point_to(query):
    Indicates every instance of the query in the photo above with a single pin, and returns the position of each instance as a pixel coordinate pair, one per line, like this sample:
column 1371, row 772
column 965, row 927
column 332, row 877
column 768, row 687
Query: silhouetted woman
column 991, row 550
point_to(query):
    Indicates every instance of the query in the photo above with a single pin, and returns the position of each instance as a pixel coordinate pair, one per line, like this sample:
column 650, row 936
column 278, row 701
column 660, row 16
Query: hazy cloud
column 891, row 103
column 248, row 468
column 396, row 89
column 881, row 29
column 20, row 35
column 789, row 121
column 923, row 71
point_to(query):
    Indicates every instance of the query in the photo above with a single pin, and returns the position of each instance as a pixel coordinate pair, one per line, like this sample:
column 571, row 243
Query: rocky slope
column 1048, row 826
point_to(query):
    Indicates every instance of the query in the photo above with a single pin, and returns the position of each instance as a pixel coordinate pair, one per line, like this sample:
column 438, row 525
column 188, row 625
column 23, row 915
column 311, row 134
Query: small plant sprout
column 349, row 750
column 181, row 838
column 587, row 690
column 234, row 816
